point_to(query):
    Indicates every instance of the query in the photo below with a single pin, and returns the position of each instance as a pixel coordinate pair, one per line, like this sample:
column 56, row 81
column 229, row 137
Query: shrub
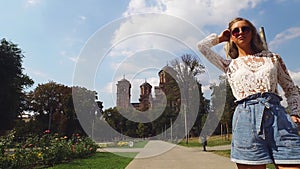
column 45, row 150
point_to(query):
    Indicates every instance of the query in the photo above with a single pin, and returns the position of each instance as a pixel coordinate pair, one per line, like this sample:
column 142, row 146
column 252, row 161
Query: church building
column 146, row 101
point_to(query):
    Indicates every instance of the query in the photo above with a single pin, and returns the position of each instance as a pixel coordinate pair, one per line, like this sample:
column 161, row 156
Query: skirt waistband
column 269, row 97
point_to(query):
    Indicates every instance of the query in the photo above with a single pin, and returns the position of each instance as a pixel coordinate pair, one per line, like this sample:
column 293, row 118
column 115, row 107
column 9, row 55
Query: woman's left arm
column 290, row 89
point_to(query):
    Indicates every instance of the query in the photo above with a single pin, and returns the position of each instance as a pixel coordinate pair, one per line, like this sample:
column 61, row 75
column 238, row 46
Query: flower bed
column 45, row 150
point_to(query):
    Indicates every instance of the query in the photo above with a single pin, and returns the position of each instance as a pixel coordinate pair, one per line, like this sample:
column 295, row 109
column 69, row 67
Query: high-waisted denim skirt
column 263, row 132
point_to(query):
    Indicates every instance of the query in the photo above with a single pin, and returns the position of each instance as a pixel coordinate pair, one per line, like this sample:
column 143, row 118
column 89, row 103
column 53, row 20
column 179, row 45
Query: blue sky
column 95, row 42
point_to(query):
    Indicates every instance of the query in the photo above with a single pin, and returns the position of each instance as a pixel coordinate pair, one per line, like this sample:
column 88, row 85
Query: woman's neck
column 245, row 52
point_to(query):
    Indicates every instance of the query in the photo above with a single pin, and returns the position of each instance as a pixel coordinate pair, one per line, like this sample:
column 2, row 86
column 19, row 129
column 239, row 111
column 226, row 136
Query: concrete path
column 162, row 155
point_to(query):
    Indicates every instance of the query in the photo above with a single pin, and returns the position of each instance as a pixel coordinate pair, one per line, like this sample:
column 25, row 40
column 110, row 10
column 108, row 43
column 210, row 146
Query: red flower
column 47, row 131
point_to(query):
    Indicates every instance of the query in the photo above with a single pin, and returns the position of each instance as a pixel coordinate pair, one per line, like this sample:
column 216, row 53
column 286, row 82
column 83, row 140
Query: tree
column 86, row 107
column 47, row 101
column 223, row 104
column 228, row 110
column 188, row 68
column 53, row 106
column 13, row 81
column 169, row 104
column 202, row 113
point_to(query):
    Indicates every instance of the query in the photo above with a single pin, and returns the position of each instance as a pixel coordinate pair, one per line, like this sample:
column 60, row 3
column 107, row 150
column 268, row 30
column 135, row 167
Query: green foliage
column 45, row 150
column 85, row 107
column 53, row 108
column 223, row 104
column 13, row 81
column 49, row 100
column 188, row 68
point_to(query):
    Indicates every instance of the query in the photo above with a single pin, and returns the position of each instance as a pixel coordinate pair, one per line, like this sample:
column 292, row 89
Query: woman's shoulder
column 265, row 53
column 274, row 57
column 268, row 54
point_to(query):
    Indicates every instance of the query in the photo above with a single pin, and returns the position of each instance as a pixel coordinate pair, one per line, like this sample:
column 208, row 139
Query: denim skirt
column 263, row 132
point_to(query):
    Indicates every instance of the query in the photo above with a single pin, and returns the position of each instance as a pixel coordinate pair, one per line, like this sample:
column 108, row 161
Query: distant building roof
column 124, row 79
column 146, row 84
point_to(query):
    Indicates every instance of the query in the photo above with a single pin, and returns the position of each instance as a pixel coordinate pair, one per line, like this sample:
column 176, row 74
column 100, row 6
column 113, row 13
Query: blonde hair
column 256, row 42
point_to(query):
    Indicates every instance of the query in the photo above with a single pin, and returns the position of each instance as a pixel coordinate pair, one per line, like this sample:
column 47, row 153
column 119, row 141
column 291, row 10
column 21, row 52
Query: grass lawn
column 101, row 160
column 140, row 144
column 211, row 141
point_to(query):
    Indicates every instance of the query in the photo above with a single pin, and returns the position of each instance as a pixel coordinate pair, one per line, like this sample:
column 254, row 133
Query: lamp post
column 93, row 126
column 108, row 116
column 50, row 118
column 171, row 129
column 185, row 125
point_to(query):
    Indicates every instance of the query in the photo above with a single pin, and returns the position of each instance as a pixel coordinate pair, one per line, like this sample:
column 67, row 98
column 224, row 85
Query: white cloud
column 173, row 25
column 143, row 6
column 82, row 18
column 108, row 88
column 199, row 12
column 66, row 54
column 79, row 20
column 74, row 59
column 30, row 3
column 286, row 35
column 116, row 53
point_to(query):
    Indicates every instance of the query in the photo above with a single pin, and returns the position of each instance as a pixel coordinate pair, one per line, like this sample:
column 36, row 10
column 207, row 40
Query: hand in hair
column 224, row 36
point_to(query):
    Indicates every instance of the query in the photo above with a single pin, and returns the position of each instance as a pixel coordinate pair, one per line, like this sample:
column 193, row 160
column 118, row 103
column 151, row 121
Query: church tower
column 168, row 87
column 145, row 96
column 123, row 94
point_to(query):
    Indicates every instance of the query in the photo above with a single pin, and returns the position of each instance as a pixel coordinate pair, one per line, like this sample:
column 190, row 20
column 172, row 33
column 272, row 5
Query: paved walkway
column 162, row 155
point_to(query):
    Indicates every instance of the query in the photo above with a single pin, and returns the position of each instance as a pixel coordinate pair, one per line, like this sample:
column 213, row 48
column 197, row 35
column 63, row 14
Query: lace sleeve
column 204, row 47
column 291, row 91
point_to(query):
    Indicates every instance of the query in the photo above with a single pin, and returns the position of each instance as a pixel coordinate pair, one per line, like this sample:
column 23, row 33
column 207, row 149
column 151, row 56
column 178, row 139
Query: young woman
column 262, row 131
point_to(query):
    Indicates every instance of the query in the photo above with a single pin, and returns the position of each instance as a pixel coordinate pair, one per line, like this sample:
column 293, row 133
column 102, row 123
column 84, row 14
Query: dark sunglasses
column 236, row 31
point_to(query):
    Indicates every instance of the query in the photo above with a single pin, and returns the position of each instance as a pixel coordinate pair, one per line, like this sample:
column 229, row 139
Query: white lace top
column 252, row 74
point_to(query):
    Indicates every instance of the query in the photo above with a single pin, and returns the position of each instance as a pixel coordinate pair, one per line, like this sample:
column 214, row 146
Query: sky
column 96, row 43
